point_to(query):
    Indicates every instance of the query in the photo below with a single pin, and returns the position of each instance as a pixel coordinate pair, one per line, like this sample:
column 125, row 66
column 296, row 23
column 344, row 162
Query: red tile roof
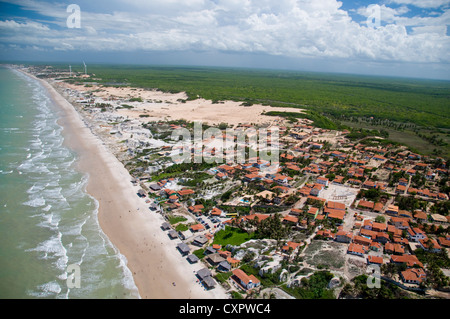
column 334, row 213
column 375, row 260
column 197, row 227
column 416, row 275
column 242, row 276
column 291, row 219
column 185, row 192
column 335, row 205
column 253, row 216
column 410, row 260
column 355, row 248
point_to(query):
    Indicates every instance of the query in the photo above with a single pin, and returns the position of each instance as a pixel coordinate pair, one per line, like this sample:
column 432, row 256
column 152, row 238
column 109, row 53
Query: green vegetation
column 313, row 287
column 176, row 219
column 442, row 208
column 379, row 109
column 179, row 169
column 440, row 259
column 359, row 289
column 372, row 194
column 199, row 253
column 236, row 295
column 411, row 135
column 380, row 219
column 423, row 102
column 435, row 262
column 410, row 111
column 197, row 178
column 318, row 119
column 268, row 280
column 356, row 134
column 410, row 203
column 272, row 227
column 182, row 227
column 226, row 196
column 222, row 277
column 231, row 236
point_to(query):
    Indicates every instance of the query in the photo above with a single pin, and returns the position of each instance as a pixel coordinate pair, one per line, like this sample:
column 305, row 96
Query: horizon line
column 253, row 68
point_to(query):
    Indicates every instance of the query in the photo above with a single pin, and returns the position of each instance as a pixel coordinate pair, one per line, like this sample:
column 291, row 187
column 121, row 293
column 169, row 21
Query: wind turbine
column 85, row 68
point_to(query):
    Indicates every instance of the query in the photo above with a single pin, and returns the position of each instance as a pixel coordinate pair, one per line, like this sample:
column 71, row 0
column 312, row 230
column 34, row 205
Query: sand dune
column 168, row 106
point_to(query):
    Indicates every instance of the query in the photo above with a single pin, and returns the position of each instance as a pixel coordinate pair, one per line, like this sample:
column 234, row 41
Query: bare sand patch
column 157, row 105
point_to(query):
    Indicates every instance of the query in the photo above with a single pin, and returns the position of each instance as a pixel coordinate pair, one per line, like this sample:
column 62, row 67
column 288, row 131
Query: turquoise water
column 47, row 220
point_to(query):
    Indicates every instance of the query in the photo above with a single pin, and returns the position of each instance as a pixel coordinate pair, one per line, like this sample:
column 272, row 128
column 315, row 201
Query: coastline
column 125, row 218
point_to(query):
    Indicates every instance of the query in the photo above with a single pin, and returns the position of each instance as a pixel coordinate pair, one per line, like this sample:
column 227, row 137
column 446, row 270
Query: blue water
column 48, row 222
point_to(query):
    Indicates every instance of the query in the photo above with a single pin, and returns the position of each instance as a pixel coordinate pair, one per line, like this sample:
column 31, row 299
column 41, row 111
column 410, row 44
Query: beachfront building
column 244, row 280
column 206, row 279
column 183, row 248
column 192, row 259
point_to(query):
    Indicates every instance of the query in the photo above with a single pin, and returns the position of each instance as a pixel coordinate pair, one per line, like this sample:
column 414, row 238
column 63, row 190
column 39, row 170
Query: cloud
column 386, row 14
column 423, row 3
column 292, row 28
column 29, row 26
column 439, row 30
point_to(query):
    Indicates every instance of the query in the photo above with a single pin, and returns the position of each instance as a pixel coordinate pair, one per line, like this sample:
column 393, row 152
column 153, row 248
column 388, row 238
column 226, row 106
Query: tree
column 272, row 227
column 380, row 219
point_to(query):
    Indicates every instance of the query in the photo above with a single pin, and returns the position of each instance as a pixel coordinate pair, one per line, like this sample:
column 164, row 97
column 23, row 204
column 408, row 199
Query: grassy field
column 232, row 236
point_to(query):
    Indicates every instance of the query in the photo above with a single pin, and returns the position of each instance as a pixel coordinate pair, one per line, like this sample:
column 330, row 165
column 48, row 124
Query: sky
column 407, row 38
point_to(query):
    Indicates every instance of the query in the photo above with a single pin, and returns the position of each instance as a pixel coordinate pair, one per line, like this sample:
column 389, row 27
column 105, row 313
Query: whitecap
column 36, row 202
column 53, row 248
column 127, row 279
column 50, row 221
column 46, row 290
column 53, row 193
column 36, row 188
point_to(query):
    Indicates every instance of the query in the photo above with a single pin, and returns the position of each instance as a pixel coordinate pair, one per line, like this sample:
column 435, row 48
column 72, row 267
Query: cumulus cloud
column 386, row 14
column 293, row 28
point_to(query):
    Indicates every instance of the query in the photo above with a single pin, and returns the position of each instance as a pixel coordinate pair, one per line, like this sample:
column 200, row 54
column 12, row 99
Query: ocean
column 51, row 244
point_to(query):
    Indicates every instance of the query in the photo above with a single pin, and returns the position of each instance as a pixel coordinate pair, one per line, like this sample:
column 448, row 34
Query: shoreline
column 125, row 218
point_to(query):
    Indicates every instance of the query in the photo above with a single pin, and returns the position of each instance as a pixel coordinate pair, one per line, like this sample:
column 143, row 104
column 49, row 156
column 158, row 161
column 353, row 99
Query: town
column 336, row 210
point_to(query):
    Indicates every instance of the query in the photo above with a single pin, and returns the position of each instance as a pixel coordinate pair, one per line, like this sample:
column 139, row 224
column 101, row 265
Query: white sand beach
column 159, row 270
